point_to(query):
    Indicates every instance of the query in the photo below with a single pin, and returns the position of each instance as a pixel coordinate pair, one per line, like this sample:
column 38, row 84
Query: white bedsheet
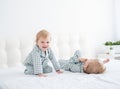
column 14, row 78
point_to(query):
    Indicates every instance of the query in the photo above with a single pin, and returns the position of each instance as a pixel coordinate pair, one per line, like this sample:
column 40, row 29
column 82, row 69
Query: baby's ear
column 85, row 66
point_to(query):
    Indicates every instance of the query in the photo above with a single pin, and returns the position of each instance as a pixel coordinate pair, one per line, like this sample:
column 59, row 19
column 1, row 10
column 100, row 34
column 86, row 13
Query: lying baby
column 83, row 65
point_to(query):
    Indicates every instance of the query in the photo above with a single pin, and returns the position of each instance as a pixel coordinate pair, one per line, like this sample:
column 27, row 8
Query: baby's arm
column 37, row 64
column 54, row 62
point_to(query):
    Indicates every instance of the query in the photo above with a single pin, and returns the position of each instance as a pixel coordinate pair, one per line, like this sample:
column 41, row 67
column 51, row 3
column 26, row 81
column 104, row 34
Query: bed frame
column 14, row 49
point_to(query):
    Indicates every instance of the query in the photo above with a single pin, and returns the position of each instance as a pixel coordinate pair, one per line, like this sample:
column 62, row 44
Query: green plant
column 110, row 43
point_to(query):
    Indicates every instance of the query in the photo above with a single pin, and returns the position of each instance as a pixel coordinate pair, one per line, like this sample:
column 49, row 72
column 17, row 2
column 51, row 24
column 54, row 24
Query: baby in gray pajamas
column 37, row 61
column 83, row 65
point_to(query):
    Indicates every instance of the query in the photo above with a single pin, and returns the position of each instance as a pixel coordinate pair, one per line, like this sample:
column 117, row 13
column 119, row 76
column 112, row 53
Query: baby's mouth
column 44, row 47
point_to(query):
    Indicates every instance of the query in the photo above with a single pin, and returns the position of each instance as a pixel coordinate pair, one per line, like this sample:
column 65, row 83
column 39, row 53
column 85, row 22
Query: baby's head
column 43, row 39
column 93, row 66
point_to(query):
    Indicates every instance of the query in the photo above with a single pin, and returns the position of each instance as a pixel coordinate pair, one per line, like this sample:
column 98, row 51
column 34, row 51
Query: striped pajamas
column 73, row 64
column 37, row 61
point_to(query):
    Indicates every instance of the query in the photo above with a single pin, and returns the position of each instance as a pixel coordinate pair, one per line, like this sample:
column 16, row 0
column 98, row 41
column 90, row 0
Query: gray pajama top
column 37, row 60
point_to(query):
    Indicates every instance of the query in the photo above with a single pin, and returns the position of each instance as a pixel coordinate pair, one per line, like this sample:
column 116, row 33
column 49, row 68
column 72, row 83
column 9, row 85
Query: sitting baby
column 83, row 65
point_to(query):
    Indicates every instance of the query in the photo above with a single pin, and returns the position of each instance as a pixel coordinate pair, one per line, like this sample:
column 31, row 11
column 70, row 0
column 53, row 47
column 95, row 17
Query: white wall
column 117, row 19
column 94, row 19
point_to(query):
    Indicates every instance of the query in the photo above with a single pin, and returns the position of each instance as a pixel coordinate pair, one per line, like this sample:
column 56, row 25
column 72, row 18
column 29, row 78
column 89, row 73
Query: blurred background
column 97, row 21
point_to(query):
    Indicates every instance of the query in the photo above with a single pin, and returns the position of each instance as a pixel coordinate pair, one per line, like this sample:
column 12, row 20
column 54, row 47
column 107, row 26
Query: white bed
column 14, row 50
column 14, row 78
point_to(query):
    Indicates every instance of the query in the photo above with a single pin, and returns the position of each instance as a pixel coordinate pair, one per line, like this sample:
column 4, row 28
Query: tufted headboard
column 14, row 49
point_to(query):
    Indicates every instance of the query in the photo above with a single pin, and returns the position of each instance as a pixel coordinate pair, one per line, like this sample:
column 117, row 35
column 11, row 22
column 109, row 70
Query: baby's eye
column 48, row 42
column 42, row 42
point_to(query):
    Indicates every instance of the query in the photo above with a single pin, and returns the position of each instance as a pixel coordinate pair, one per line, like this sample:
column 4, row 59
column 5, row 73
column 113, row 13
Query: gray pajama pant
column 73, row 64
column 46, row 69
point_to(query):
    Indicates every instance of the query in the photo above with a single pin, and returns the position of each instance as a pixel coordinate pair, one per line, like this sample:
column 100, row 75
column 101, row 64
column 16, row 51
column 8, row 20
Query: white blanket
column 14, row 78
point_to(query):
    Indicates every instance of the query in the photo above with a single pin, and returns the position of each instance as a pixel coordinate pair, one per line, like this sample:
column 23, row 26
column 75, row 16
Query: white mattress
column 14, row 78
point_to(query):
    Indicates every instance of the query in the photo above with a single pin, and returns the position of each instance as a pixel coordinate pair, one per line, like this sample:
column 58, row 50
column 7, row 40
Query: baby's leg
column 75, row 57
column 47, row 69
column 77, row 54
column 64, row 64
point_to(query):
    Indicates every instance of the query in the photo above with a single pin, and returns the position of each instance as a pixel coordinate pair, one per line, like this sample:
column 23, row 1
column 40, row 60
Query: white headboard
column 14, row 49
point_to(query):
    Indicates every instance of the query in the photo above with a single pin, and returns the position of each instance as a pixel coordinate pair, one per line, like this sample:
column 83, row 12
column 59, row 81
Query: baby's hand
column 106, row 60
column 59, row 71
column 42, row 75
column 83, row 59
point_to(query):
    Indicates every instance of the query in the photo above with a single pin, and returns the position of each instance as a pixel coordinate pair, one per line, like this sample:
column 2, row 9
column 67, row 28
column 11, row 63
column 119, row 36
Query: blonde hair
column 42, row 34
column 94, row 67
